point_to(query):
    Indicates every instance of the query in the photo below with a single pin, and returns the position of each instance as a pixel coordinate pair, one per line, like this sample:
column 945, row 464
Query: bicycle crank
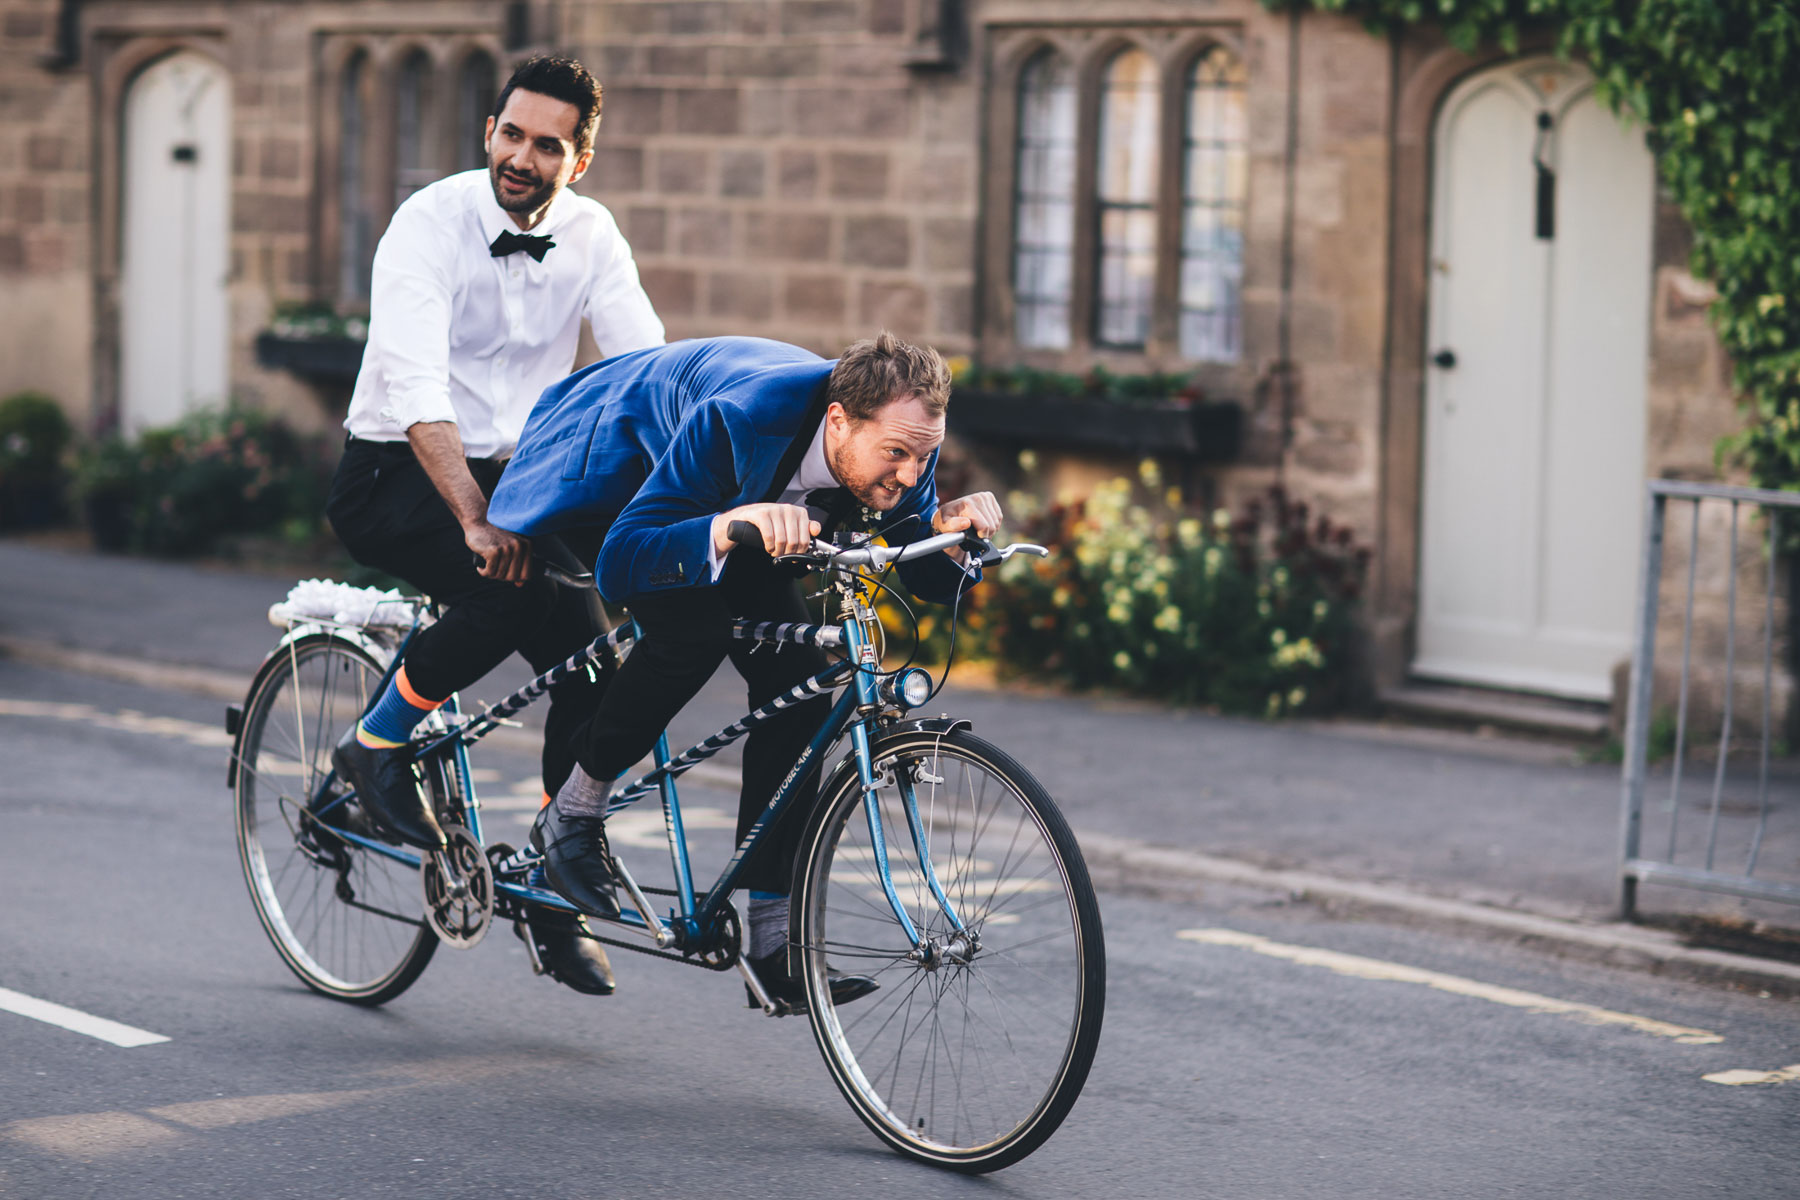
column 459, row 890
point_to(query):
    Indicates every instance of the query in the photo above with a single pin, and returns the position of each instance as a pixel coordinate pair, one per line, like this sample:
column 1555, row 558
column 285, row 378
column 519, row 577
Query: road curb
column 1132, row 864
column 1137, row 864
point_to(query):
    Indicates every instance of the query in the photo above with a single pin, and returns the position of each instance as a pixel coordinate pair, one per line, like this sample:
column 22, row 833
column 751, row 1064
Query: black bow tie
column 509, row 242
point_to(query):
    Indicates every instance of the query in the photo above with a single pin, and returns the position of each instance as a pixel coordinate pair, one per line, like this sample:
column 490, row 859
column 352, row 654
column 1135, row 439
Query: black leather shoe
column 575, row 854
column 790, row 990
column 572, row 960
column 388, row 791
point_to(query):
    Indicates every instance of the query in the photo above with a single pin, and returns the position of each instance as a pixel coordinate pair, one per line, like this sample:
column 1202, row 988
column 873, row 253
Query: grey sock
column 583, row 795
column 768, row 925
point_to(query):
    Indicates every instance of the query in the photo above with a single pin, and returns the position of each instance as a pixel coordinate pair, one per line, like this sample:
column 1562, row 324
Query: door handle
column 1444, row 358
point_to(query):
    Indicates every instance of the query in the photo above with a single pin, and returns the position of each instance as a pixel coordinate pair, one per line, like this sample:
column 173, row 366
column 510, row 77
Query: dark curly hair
column 560, row 79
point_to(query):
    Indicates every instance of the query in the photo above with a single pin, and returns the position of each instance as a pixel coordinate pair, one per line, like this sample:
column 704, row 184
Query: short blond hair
column 879, row 370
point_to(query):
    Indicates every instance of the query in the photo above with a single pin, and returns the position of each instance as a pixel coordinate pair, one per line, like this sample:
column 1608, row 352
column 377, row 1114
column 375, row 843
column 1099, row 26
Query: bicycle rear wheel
column 968, row 1058
column 345, row 919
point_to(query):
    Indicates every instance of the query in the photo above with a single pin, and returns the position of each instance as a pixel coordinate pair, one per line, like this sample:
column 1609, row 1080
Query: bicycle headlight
column 908, row 689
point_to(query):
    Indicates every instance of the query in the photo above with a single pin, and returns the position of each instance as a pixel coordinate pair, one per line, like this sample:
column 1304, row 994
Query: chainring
column 459, row 916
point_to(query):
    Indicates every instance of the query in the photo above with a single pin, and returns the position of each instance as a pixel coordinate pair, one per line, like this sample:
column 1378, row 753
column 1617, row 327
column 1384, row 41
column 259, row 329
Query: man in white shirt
column 479, row 287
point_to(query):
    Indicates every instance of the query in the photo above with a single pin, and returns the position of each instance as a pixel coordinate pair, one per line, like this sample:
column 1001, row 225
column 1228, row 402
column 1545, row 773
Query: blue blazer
column 651, row 445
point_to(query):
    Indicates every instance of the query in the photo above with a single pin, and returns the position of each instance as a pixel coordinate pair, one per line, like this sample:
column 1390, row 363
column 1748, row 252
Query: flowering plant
column 1248, row 612
column 212, row 474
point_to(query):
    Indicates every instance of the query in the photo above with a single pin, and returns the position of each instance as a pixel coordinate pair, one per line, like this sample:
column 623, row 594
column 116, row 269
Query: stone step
column 1468, row 706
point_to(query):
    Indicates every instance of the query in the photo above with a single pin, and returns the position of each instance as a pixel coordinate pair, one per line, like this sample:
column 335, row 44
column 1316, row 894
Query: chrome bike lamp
column 907, row 689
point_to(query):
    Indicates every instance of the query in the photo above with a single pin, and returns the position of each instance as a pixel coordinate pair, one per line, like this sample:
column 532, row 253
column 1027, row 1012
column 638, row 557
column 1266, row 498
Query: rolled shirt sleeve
column 409, row 327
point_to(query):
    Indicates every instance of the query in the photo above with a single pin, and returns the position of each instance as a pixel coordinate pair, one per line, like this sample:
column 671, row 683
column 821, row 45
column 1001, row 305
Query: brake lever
column 996, row 554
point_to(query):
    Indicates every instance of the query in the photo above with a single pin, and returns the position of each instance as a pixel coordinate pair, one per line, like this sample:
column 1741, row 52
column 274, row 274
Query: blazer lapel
column 790, row 458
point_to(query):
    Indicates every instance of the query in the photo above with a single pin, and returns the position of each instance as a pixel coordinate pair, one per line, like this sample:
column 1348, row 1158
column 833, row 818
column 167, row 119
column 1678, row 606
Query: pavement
column 1496, row 836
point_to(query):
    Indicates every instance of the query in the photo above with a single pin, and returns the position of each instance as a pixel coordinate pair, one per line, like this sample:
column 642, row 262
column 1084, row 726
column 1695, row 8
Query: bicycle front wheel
column 345, row 919
column 975, row 1048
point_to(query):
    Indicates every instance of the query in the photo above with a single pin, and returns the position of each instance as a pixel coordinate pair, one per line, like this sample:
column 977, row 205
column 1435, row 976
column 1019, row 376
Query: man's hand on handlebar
column 977, row 513
column 503, row 555
column 785, row 528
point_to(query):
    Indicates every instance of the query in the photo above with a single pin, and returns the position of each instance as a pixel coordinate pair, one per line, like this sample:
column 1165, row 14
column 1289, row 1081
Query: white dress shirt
column 458, row 335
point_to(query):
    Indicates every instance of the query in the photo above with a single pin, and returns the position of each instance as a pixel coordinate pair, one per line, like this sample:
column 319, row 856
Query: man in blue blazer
column 664, row 449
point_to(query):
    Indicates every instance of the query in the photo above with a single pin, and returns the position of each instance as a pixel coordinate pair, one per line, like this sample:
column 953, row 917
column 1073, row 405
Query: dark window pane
column 413, row 166
column 356, row 250
column 475, row 94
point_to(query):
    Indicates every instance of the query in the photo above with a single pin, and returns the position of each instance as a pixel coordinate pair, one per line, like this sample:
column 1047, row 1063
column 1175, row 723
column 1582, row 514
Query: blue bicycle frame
column 696, row 919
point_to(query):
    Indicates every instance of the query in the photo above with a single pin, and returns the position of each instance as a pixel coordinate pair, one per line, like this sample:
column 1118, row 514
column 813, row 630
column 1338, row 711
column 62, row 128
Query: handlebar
column 830, row 557
column 555, row 574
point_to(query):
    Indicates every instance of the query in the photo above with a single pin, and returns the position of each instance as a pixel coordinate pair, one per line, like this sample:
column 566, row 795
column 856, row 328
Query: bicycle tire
column 300, row 703
column 1011, row 1032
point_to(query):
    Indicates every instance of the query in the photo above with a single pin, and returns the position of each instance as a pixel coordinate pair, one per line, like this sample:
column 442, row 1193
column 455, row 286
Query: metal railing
column 1723, row 852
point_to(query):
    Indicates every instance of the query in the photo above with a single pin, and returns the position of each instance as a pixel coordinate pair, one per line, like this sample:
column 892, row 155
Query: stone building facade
column 1201, row 186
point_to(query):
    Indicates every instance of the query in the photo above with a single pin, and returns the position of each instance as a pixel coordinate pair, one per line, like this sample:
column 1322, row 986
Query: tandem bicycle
column 931, row 861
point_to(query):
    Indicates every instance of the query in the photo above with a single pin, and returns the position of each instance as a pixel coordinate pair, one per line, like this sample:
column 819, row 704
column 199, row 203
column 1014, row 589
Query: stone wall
column 779, row 170
column 46, row 218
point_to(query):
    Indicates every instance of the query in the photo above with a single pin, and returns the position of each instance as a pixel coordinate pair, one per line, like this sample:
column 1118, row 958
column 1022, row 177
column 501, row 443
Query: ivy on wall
column 1714, row 81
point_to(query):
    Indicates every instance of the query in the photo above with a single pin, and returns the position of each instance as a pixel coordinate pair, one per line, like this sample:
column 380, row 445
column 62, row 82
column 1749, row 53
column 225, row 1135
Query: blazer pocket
column 575, row 458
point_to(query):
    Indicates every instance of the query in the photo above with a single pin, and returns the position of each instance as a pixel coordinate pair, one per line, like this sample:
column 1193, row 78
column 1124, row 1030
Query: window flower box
column 1197, row 432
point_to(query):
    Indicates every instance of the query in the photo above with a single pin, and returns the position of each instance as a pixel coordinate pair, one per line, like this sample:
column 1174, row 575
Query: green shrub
column 1250, row 613
column 183, row 488
column 33, row 435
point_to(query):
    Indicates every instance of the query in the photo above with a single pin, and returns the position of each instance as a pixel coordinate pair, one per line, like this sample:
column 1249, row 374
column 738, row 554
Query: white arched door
column 174, row 330
column 1534, row 401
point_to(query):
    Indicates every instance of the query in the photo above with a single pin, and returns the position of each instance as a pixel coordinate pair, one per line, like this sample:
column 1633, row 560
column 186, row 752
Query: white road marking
column 129, row 720
column 1740, row 1077
column 1374, row 968
column 76, row 1021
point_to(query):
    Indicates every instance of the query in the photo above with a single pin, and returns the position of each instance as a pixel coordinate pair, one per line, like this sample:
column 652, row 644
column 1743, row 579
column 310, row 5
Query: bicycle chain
column 636, row 947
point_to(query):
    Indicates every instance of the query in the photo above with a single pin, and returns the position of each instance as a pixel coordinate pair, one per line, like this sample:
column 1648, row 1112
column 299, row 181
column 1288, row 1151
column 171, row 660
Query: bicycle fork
column 960, row 945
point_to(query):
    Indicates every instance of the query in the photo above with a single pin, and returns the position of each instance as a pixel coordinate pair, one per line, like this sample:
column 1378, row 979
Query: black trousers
column 686, row 634
column 389, row 516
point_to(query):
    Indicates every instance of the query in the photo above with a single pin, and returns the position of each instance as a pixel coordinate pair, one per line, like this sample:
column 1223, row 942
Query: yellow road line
column 1376, row 969
column 1740, row 1077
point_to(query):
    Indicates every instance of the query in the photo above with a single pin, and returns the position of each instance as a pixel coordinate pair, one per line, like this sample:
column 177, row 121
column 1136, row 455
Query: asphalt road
column 1242, row 1063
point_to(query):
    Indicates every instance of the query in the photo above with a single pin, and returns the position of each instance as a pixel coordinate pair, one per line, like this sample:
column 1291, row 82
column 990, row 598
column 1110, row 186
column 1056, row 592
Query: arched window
column 1044, row 203
column 1125, row 192
column 356, row 229
column 1215, row 182
column 414, row 164
column 475, row 93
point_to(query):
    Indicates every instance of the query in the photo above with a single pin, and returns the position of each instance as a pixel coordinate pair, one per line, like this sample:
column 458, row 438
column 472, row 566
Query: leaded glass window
column 1044, row 208
column 1126, row 195
column 1215, row 181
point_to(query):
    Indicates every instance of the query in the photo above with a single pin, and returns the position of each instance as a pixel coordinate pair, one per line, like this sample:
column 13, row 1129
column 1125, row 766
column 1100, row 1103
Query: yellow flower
column 1149, row 473
column 1118, row 614
column 1278, row 637
column 1028, row 461
column 1188, row 531
column 1221, row 518
column 959, row 366
column 1297, row 697
column 1122, row 661
column 1319, row 610
column 1168, row 620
